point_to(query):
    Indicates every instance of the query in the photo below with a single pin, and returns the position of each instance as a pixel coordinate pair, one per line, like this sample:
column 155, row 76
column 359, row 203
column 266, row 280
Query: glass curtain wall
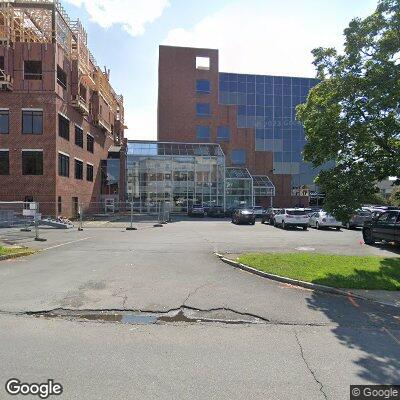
column 177, row 174
column 239, row 188
column 268, row 104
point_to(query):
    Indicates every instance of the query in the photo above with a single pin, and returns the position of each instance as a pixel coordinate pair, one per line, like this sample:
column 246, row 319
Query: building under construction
column 60, row 119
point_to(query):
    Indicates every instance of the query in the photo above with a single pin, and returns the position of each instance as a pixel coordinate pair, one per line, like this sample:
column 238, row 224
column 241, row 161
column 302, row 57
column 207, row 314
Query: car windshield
column 296, row 212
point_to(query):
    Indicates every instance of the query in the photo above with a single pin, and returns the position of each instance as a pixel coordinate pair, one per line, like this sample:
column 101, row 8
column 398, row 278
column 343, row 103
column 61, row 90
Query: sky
column 267, row 37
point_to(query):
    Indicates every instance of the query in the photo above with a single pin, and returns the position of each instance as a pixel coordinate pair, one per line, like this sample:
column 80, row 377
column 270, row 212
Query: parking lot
column 159, row 270
column 220, row 235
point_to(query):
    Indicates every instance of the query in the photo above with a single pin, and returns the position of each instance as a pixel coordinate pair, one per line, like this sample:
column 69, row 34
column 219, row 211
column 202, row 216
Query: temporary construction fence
column 22, row 222
column 19, row 222
column 106, row 214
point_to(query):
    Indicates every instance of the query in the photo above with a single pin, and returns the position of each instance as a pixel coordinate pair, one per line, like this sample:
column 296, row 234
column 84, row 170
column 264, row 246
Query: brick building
column 252, row 117
column 59, row 115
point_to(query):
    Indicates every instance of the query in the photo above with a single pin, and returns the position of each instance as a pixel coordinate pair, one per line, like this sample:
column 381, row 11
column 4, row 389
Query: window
column 392, row 217
column 223, row 133
column 203, row 133
column 203, row 86
column 32, row 162
column 89, row 172
column 61, row 77
column 78, row 136
column 63, row 127
column 33, row 70
column 59, row 202
column 90, row 143
column 4, row 162
column 4, row 121
column 203, row 63
column 2, row 63
column 238, row 157
column 203, row 109
column 78, row 169
column 32, row 122
column 63, row 165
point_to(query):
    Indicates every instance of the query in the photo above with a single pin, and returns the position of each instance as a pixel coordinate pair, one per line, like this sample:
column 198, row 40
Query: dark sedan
column 243, row 216
column 268, row 217
column 386, row 227
column 197, row 210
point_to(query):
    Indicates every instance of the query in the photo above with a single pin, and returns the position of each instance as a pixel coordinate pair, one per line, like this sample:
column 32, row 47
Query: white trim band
column 32, row 150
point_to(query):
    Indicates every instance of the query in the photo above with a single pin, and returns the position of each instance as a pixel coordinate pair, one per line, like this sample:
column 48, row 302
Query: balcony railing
column 80, row 105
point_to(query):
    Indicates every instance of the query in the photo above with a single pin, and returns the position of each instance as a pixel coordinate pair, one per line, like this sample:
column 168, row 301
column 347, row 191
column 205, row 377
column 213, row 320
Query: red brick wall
column 53, row 99
column 177, row 118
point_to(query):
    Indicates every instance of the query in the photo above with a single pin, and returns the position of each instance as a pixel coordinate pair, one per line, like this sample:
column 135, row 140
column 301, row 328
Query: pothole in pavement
column 181, row 315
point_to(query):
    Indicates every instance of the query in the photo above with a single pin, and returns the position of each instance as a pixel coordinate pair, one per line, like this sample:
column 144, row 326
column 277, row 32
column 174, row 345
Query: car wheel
column 368, row 237
column 317, row 225
column 283, row 225
column 271, row 222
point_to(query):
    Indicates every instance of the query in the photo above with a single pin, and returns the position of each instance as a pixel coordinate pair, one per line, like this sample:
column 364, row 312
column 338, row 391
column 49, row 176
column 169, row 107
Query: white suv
column 292, row 217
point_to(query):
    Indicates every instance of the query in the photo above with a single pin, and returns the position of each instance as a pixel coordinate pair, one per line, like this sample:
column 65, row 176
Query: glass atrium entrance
column 175, row 174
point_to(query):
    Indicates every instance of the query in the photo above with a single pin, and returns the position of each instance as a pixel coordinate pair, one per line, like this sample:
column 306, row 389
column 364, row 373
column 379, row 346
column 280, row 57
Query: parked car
column 216, row 212
column 292, row 217
column 258, row 211
column 268, row 217
column 357, row 220
column 386, row 227
column 322, row 219
column 197, row 210
column 244, row 215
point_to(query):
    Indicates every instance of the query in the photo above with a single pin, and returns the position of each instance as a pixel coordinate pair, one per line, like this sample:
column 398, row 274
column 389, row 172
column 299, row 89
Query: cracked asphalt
column 309, row 345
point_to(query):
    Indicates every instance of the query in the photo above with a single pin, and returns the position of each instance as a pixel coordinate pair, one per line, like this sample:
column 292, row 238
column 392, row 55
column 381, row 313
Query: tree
column 352, row 117
column 394, row 198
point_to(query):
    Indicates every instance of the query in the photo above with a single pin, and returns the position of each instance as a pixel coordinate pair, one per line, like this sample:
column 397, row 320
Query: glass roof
column 262, row 181
column 237, row 173
column 173, row 149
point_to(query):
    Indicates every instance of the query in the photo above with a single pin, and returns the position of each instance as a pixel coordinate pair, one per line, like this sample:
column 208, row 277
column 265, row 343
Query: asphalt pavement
column 308, row 345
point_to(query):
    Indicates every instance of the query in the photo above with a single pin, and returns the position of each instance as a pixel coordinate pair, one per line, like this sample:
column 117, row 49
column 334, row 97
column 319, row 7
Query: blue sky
column 253, row 36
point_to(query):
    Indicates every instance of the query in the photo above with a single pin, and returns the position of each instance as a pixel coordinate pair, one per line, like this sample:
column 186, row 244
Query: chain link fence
column 105, row 214
column 19, row 222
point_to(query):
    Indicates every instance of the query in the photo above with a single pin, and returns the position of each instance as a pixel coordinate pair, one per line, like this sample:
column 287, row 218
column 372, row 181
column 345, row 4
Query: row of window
column 64, row 168
column 63, row 131
column 32, row 164
column 203, row 133
column 267, row 79
column 32, row 122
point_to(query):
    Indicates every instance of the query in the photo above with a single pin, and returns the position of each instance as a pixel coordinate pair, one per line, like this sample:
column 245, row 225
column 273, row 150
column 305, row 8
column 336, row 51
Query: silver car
column 322, row 219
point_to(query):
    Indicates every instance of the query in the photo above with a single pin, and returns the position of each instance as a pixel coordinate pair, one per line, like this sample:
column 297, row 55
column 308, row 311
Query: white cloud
column 133, row 15
column 141, row 122
column 266, row 37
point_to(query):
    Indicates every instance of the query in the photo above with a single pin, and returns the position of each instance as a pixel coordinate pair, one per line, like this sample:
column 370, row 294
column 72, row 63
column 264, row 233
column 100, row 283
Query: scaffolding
column 46, row 21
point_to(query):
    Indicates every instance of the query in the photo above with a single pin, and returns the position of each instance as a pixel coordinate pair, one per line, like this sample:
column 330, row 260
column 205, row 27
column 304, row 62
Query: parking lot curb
column 16, row 255
column 295, row 282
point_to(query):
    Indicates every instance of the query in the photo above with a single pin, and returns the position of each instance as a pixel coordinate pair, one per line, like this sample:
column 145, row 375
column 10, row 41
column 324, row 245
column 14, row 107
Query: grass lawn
column 350, row 272
column 7, row 251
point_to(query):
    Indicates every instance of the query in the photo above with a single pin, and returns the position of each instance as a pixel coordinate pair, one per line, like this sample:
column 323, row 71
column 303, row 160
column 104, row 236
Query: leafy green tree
column 352, row 117
column 394, row 198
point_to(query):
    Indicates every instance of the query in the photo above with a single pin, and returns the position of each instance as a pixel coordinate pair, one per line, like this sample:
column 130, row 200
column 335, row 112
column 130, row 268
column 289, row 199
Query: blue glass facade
column 268, row 105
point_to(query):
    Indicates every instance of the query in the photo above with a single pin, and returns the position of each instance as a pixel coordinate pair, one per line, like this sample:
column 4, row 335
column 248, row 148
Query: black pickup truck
column 385, row 227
